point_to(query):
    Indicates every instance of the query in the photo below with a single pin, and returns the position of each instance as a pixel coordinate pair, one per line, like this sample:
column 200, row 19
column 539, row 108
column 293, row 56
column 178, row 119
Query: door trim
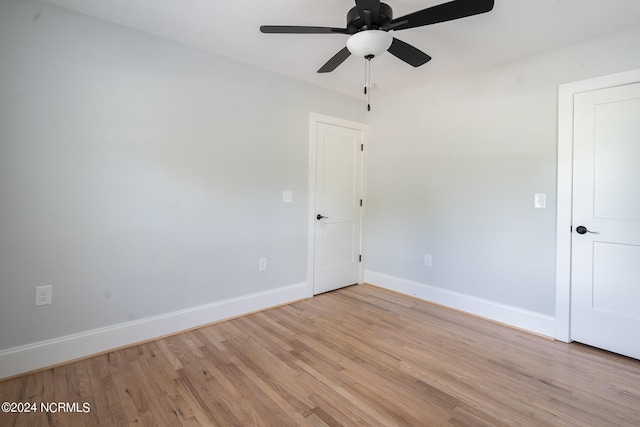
column 566, row 94
column 314, row 119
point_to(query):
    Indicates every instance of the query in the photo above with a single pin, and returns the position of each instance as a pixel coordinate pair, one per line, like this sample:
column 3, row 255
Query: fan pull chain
column 366, row 66
column 367, row 80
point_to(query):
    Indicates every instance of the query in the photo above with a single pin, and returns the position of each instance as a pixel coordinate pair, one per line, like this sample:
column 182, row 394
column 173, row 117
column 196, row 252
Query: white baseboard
column 52, row 352
column 537, row 323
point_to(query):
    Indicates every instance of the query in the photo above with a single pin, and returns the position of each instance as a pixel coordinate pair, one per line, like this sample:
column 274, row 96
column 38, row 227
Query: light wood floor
column 358, row 356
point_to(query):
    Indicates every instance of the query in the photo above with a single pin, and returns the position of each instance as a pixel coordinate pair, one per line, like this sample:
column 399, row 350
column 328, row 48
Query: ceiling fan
column 369, row 23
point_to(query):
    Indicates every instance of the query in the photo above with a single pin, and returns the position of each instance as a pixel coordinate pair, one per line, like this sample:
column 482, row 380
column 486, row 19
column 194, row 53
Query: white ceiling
column 514, row 29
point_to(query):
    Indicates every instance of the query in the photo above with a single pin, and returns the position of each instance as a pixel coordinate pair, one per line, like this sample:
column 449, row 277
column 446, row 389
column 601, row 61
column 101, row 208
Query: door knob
column 319, row 217
column 581, row 229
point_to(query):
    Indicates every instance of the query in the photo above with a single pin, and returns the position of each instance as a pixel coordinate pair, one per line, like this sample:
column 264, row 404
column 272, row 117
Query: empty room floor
column 361, row 355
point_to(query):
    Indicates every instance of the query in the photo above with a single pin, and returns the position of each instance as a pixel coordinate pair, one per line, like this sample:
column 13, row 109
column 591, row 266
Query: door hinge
column 359, row 258
column 360, row 202
column 361, row 147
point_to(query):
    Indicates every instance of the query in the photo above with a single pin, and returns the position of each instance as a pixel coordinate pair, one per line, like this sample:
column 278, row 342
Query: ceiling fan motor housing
column 356, row 23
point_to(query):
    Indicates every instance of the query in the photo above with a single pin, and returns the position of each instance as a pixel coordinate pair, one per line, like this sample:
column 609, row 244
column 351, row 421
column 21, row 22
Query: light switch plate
column 287, row 197
column 540, row 201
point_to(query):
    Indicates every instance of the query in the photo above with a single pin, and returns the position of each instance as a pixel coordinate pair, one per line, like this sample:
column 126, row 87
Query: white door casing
column 598, row 275
column 336, row 187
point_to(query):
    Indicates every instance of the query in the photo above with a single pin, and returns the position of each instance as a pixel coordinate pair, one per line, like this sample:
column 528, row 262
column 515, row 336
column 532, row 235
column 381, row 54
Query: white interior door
column 337, row 215
column 605, row 267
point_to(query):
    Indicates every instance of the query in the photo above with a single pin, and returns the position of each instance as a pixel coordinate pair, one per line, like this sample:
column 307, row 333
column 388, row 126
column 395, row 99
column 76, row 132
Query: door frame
column 566, row 94
column 314, row 120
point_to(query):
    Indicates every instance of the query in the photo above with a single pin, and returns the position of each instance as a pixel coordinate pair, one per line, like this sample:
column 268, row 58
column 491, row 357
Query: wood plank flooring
column 358, row 356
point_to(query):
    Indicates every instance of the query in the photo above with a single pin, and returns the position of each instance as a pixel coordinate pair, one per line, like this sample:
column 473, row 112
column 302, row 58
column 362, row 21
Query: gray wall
column 452, row 169
column 139, row 176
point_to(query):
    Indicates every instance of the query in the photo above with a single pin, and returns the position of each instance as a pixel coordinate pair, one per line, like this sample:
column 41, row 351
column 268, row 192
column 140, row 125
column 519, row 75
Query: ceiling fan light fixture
column 369, row 43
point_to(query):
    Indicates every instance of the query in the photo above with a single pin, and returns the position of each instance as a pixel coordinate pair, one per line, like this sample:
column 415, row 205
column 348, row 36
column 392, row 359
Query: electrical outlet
column 427, row 260
column 43, row 295
column 262, row 264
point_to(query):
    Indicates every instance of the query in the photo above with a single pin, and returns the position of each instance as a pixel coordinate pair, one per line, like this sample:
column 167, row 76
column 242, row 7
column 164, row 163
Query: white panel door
column 338, row 210
column 605, row 267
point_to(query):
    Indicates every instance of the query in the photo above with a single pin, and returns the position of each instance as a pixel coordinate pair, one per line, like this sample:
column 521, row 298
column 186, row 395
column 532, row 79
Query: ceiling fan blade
column 336, row 60
column 293, row 29
column 408, row 53
column 443, row 12
column 373, row 8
